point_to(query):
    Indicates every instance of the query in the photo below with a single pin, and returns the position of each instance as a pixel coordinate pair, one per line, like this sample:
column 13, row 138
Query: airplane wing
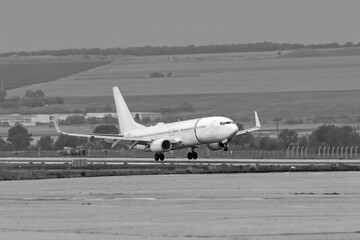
column 118, row 137
column 257, row 126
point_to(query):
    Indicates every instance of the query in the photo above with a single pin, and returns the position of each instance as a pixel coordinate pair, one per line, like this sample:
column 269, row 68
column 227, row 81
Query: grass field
column 21, row 73
column 211, row 74
column 50, row 171
column 233, row 84
column 288, row 105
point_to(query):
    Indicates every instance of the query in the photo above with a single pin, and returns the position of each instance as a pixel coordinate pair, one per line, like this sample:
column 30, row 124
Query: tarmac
column 319, row 205
column 214, row 161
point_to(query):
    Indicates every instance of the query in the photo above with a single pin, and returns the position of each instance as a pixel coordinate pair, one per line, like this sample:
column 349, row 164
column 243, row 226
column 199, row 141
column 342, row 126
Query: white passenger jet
column 214, row 132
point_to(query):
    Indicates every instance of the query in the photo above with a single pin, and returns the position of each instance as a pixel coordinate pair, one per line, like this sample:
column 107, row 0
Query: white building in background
column 25, row 120
column 32, row 120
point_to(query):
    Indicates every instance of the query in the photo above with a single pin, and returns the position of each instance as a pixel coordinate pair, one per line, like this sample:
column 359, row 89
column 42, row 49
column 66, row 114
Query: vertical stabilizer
column 126, row 122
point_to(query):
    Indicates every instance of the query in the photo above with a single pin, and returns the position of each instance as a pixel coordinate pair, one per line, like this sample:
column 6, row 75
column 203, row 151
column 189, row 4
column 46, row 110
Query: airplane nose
column 233, row 128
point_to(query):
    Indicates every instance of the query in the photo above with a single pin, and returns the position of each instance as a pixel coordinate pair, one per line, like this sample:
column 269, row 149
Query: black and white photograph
column 179, row 119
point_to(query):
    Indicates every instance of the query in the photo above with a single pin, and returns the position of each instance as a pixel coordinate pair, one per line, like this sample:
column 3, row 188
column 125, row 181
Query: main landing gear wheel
column 192, row 155
column 226, row 148
column 158, row 156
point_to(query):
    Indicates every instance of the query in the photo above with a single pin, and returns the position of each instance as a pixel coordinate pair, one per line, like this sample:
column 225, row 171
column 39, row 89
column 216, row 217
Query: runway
column 180, row 161
column 322, row 205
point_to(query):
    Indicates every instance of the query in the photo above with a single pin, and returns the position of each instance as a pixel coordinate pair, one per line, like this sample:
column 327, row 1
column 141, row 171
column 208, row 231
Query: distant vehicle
column 68, row 151
column 214, row 132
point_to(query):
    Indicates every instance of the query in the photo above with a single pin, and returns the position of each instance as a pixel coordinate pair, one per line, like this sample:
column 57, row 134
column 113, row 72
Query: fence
column 295, row 152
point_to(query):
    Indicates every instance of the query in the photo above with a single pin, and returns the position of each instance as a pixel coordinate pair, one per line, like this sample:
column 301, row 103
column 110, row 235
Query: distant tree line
column 31, row 99
column 324, row 136
column 189, row 49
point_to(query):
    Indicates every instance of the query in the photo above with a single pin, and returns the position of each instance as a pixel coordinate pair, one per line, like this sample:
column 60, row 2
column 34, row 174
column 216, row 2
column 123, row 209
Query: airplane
column 214, row 132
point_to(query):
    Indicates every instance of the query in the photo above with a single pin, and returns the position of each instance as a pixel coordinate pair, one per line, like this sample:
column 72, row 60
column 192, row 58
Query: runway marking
column 213, row 199
column 120, row 199
column 173, row 199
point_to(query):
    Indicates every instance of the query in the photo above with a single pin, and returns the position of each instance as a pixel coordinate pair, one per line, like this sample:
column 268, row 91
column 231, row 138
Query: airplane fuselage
column 189, row 133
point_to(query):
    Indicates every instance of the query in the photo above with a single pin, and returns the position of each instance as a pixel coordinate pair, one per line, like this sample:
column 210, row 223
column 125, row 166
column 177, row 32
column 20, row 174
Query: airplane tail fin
column 126, row 122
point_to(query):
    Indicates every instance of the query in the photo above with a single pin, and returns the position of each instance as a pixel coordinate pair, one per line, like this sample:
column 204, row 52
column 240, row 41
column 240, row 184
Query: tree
column 74, row 120
column 107, row 129
column 69, row 141
column 45, row 143
column 109, row 119
column 19, row 137
column 145, row 120
column 156, row 75
column 137, row 118
column 34, row 94
column 92, row 120
column 39, row 93
column 30, row 94
column 349, row 44
column 288, row 137
column 330, row 135
column 269, row 144
column 243, row 138
column 3, row 144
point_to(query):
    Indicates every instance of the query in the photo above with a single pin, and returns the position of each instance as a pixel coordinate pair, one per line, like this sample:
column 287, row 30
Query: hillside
column 19, row 72
column 340, row 106
column 308, row 52
column 233, row 84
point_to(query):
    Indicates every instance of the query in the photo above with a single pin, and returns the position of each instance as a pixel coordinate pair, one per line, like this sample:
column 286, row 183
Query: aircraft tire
column 156, row 157
column 194, row 155
column 161, row 156
column 189, row 155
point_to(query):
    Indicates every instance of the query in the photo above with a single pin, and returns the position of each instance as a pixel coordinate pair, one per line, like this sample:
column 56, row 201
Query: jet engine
column 160, row 145
column 215, row 146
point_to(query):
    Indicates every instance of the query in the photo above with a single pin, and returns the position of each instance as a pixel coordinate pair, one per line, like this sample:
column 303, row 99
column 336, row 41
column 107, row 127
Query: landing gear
column 192, row 155
column 159, row 156
column 226, row 148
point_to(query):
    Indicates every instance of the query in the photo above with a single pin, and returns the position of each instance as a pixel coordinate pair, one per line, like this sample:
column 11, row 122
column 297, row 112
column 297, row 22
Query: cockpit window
column 224, row 123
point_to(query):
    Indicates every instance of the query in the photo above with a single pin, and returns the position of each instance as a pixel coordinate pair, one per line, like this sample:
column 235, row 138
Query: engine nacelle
column 215, row 146
column 160, row 145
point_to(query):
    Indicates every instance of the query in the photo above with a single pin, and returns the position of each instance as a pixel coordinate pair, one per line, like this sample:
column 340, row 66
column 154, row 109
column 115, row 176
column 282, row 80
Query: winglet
column 257, row 126
column 257, row 121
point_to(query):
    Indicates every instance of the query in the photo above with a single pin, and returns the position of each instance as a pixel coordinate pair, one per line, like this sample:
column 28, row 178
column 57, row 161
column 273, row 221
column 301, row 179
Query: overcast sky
column 27, row 25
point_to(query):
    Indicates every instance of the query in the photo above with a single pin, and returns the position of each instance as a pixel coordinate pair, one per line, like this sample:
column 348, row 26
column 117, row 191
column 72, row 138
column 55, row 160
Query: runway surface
column 180, row 161
column 219, row 206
